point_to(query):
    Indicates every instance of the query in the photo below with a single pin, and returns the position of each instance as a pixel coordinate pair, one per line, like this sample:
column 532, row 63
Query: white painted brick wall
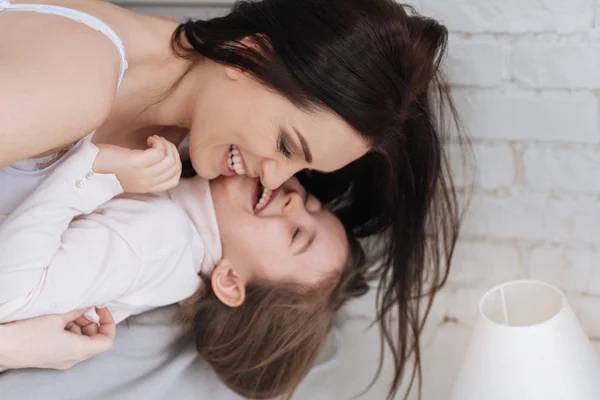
column 513, row 113
column 552, row 63
column 483, row 63
column 513, row 16
column 495, row 166
column 570, row 170
column 526, row 79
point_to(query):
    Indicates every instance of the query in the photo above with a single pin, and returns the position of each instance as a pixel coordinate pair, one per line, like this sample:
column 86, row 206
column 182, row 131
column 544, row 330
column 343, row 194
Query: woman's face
column 273, row 138
column 282, row 236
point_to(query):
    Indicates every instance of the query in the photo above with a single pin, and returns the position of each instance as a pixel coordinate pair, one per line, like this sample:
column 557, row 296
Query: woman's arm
column 56, row 87
column 43, row 342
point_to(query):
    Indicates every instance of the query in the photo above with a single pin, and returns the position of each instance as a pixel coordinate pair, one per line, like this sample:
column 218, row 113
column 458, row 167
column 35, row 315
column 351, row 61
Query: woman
column 274, row 88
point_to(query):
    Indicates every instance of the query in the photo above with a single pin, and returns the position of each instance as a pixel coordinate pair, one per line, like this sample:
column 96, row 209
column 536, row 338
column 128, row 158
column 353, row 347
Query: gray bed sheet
column 148, row 361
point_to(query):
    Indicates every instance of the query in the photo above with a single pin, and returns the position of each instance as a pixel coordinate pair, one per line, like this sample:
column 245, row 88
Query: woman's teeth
column 234, row 160
column 264, row 199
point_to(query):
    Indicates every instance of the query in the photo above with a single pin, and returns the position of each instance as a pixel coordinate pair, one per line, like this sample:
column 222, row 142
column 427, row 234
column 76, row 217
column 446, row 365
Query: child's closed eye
column 295, row 235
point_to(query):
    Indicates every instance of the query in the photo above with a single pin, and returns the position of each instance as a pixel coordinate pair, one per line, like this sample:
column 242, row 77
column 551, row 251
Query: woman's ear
column 228, row 286
column 233, row 73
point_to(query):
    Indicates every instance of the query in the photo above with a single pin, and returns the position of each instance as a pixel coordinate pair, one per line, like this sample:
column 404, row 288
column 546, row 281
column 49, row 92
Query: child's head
column 281, row 236
column 266, row 309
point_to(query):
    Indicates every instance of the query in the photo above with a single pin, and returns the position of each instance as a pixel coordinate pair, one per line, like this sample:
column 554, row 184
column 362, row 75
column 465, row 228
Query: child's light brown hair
column 266, row 346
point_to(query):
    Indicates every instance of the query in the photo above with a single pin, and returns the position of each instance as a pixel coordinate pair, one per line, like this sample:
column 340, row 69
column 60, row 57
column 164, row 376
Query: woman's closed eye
column 283, row 147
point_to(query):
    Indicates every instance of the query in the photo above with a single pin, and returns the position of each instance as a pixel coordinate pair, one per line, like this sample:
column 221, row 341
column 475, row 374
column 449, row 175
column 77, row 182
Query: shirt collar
column 193, row 195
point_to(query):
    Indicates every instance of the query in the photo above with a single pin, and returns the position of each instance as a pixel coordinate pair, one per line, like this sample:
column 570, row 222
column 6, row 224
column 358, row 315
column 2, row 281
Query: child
column 258, row 273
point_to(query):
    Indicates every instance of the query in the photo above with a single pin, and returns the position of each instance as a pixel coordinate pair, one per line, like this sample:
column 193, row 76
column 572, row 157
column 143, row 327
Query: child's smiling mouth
column 262, row 197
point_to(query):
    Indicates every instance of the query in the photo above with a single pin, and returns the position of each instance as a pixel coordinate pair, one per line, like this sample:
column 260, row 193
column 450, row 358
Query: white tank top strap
column 87, row 19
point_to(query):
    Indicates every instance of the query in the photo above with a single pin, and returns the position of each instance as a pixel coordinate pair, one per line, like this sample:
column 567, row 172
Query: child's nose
column 293, row 204
column 313, row 205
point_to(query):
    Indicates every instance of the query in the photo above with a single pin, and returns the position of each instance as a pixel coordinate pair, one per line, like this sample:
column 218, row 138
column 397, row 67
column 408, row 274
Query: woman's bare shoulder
column 59, row 79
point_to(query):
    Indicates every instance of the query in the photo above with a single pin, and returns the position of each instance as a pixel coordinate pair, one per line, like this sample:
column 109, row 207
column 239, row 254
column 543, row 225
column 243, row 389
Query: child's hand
column 141, row 171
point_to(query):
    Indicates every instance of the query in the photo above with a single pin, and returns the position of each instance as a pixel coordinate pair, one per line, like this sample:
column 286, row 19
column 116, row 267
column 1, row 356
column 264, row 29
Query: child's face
column 289, row 238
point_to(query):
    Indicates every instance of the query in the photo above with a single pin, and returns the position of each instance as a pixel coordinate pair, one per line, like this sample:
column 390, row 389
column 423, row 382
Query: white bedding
column 148, row 361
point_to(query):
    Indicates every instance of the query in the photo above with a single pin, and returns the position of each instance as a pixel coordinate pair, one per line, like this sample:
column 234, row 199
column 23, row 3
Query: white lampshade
column 527, row 344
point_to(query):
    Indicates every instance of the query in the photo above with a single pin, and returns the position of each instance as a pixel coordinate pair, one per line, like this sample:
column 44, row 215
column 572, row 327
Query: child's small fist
column 155, row 169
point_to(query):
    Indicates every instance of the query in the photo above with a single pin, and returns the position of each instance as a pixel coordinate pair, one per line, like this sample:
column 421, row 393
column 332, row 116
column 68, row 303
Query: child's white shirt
column 75, row 243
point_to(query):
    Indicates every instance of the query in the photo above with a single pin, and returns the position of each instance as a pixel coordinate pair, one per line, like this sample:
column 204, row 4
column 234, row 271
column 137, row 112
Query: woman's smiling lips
column 233, row 162
column 224, row 167
column 236, row 162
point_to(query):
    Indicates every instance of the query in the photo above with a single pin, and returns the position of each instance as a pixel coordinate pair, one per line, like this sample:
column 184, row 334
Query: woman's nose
column 272, row 175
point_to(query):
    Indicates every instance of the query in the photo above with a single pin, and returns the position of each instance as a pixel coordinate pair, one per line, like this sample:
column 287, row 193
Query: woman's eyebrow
column 305, row 147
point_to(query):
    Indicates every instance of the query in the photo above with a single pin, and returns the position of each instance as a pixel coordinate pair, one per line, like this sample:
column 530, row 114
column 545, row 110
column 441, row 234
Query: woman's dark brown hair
column 266, row 346
column 376, row 64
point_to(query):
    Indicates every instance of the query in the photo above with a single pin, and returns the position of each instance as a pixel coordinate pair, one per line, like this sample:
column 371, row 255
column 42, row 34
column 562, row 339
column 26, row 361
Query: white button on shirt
column 76, row 243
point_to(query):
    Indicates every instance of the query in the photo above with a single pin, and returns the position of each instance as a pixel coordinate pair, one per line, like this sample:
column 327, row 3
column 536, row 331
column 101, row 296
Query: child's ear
column 228, row 286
